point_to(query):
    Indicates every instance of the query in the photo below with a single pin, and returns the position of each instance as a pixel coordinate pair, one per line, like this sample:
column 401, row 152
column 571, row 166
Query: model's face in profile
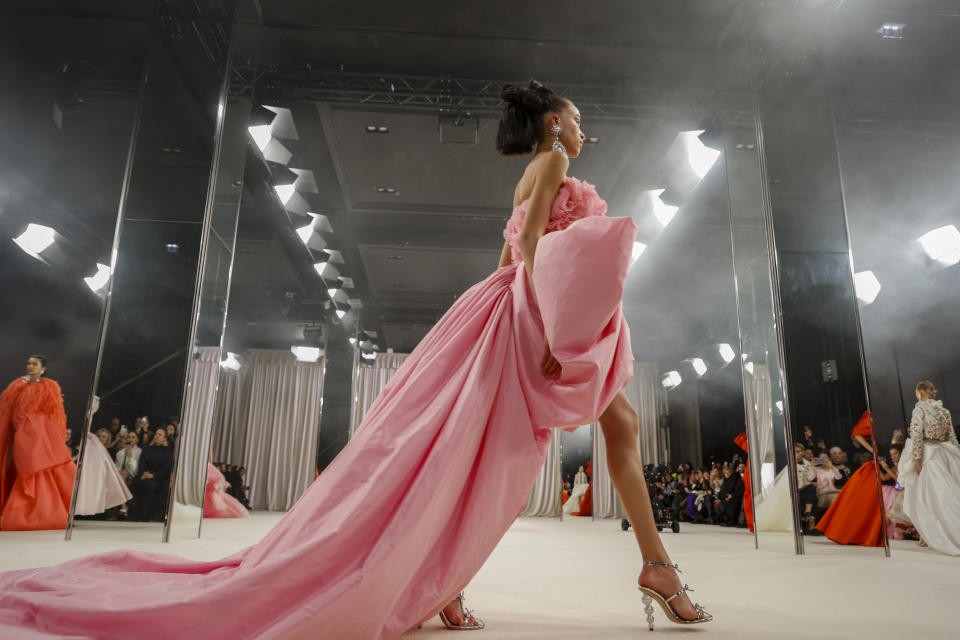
column 34, row 367
column 571, row 137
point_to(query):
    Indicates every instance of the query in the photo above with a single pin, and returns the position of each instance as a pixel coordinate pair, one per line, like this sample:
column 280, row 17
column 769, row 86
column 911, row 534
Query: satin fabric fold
column 407, row 513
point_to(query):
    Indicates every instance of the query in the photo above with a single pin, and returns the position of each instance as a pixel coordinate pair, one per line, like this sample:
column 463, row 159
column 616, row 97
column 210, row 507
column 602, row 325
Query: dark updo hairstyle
column 521, row 122
column 42, row 359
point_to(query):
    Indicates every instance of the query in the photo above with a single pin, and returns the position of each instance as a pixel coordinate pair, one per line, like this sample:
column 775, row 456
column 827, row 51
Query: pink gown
column 404, row 517
column 217, row 503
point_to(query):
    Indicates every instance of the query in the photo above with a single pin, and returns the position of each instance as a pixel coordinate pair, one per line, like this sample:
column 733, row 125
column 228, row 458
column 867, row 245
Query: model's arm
column 916, row 433
column 505, row 256
column 547, row 182
column 864, row 443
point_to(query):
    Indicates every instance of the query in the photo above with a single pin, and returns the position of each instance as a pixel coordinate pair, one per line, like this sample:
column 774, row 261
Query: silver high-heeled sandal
column 649, row 595
column 467, row 616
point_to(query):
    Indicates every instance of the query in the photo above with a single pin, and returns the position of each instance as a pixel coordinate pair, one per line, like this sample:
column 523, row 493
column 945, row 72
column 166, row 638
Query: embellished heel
column 649, row 595
column 467, row 618
column 648, row 609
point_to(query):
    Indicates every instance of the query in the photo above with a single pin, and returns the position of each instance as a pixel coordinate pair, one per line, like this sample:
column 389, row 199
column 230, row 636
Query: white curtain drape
column 196, row 425
column 545, row 499
column 233, row 410
column 645, row 393
column 268, row 422
column 368, row 381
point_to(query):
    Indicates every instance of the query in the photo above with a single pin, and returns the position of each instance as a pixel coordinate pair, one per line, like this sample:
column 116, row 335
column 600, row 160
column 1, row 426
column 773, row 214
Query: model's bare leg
column 621, row 428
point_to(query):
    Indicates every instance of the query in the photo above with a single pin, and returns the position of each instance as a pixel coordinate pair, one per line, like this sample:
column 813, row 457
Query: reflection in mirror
column 68, row 99
column 768, row 482
column 274, row 359
column 898, row 153
column 576, row 469
column 826, row 393
column 145, row 344
column 200, row 490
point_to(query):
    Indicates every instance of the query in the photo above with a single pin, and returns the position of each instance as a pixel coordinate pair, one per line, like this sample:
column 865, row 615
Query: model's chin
column 573, row 153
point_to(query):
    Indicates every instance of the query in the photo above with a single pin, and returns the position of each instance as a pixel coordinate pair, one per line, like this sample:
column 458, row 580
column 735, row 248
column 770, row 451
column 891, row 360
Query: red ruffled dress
column 855, row 517
column 741, row 441
column 36, row 472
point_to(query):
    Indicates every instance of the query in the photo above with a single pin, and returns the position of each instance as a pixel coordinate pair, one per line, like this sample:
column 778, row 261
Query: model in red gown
column 741, row 441
column 855, row 517
column 37, row 473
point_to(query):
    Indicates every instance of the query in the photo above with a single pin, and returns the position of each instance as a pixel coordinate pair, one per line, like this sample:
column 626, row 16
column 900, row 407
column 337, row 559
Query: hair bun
column 535, row 97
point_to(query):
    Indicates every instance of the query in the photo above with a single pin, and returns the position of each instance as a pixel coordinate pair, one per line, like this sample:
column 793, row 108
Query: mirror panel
column 898, row 143
column 158, row 263
column 69, row 89
column 826, row 394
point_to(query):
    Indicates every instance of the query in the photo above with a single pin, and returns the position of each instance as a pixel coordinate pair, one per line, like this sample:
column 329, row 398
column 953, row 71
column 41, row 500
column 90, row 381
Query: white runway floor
column 576, row 580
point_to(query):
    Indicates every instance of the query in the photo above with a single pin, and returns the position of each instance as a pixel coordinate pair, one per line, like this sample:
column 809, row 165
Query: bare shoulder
column 546, row 171
column 551, row 167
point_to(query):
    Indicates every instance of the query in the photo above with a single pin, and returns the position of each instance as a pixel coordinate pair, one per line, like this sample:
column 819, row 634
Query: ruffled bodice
column 575, row 199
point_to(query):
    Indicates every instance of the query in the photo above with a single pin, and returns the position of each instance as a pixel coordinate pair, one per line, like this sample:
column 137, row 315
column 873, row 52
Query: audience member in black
column 837, row 457
column 730, row 500
column 808, row 441
column 150, row 487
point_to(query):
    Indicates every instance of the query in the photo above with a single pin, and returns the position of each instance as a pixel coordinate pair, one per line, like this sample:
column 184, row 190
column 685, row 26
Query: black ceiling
column 684, row 60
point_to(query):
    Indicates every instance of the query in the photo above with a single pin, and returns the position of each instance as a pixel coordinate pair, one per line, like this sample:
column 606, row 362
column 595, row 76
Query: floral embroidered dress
column 407, row 513
column 931, row 499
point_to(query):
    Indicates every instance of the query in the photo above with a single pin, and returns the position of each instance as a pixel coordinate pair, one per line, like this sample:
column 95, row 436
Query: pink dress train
column 217, row 503
column 409, row 511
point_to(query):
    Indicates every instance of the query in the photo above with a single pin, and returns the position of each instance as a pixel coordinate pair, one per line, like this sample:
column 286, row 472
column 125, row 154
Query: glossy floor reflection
column 575, row 579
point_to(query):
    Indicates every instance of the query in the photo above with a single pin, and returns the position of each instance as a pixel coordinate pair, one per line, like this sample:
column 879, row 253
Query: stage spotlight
column 368, row 355
column 35, row 239
column 867, row 286
column 892, row 30
column 231, row 362
column 700, row 157
column 341, row 313
column 671, row 379
column 941, row 244
column 353, row 341
column 326, row 271
column 749, row 367
column 306, row 354
column 260, row 125
column 726, row 352
column 699, row 366
column 662, row 211
column 99, row 280
column 711, row 138
column 637, row 251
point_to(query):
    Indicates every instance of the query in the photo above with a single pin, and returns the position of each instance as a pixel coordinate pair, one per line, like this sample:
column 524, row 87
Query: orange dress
column 36, row 472
column 741, row 441
column 855, row 517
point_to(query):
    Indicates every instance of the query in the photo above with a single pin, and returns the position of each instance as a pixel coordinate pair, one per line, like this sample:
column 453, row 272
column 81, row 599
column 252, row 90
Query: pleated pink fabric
column 401, row 520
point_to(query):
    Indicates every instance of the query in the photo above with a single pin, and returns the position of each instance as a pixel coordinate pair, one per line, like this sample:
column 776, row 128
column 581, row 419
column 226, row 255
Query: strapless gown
column 442, row 464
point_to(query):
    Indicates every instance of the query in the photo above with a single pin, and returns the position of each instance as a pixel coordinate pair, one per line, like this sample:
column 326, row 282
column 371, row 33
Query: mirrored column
column 146, row 345
column 838, row 501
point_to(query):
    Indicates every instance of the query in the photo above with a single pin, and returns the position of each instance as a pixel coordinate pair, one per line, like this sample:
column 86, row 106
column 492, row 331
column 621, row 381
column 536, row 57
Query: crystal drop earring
column 557, row 145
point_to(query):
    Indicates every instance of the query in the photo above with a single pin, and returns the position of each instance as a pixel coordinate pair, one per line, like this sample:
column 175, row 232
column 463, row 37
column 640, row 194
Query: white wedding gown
column 580, row 484
column 932, row 499
column 101, row 485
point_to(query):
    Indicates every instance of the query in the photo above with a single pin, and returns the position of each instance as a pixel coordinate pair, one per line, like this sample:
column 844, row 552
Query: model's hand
column 549, row 365
column 146, row 475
